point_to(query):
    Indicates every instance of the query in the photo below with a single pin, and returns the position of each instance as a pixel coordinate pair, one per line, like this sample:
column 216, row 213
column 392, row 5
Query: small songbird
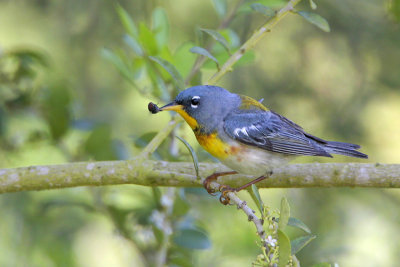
column 245, row 135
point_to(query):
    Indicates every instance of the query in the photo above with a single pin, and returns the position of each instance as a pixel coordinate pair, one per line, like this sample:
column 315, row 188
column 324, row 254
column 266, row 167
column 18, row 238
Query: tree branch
column 241, row 204
column 182, row 174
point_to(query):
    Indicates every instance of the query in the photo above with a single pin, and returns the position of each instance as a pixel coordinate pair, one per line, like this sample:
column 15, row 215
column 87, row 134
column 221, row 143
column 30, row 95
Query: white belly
column 255, row 161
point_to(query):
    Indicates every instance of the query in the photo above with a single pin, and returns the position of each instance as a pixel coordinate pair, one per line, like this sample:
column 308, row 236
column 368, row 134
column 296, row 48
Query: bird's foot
column 213, row 177
column 225, row 190
column 251, row 183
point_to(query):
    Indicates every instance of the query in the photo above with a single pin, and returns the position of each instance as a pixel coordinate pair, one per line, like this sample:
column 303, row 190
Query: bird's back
column 254, row 125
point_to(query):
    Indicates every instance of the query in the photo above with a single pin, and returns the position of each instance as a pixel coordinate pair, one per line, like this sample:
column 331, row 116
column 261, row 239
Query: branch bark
column 251, row 215
column 182, row 174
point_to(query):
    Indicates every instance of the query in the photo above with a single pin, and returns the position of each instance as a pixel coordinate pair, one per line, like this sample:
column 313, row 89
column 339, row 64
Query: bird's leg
column 212, row 178
column 225, row 189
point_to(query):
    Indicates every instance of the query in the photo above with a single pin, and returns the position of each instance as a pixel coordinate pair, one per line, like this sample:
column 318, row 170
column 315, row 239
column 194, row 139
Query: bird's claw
column 207, row 182
column 207, row 186
column 224, row 198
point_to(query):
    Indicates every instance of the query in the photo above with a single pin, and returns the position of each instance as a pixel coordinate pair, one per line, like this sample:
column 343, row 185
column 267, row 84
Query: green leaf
column 255, row 195
column 56, row 111
column 156, row 195
column 118, row 63
column 158, row 234
column 315, row 19
column 204, row 52
column 312, row 5
column 232, row 37
column 284, row 249
column 118, row 217
column 247, row 58
column 218, row 37
column 184, row 59
column 192, row 239
column 148, row 40
column 177, row 79
column 181, row 206
column 300, row 242
column 294, row 222
column 99, row 144
column 199, row 36
column 322, row 264
column 166, row 54
column 179, row 261
column 127, row 22
column 134, row 44
column 144, row 139
column 260, row 8
column 160, row 26
column 221, row 7
column 285, row 214
column 193, row 154
column 162, row 91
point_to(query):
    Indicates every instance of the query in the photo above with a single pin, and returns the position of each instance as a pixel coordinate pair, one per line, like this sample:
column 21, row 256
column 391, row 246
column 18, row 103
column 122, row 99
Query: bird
column 246, row 136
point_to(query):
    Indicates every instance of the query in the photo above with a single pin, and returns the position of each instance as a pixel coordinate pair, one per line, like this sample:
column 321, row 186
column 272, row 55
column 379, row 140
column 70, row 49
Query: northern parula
column 245, row 135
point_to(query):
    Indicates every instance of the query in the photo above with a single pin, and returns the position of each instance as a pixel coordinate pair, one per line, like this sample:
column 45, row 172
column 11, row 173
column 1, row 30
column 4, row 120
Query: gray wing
column 273, row 132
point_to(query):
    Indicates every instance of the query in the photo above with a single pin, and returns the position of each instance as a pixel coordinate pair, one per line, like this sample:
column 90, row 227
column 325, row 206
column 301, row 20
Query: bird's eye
column 195, row 101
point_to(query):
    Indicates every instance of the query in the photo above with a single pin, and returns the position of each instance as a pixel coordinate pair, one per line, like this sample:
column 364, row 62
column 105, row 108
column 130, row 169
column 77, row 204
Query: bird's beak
column 179, row 109
column 172, row 106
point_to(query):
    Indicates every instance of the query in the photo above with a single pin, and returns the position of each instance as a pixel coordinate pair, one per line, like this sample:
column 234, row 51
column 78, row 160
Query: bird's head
column 204, row 106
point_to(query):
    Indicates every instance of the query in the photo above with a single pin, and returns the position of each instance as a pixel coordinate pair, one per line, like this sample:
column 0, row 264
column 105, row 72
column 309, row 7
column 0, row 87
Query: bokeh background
column 63, row 100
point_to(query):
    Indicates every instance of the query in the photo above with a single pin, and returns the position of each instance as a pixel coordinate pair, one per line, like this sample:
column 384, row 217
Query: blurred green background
column 63, row 100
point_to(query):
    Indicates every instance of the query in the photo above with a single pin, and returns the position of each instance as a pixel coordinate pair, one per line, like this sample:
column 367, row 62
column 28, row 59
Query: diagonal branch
column 241, row 204
column 252, row 41
column 160, row 137
column 182, row 174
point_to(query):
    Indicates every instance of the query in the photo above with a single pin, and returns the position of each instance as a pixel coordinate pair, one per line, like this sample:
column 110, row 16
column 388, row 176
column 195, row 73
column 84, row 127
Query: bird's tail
column 346, row 149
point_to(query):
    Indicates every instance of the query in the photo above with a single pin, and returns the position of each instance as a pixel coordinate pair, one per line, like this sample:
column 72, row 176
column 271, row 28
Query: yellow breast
column 214, row 145
column 210, row 142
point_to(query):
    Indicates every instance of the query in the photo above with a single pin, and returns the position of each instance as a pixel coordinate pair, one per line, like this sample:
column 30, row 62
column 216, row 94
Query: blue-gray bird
column 245, row 135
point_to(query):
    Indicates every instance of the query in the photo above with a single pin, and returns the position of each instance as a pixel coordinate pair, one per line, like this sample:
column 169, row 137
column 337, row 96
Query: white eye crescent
column 195, row 101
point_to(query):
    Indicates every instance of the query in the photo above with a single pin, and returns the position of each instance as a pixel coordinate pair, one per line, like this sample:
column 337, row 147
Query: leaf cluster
column 279, row 249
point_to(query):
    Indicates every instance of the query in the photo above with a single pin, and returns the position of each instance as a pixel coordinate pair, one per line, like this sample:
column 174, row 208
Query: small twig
column 159, row 138
column 252, row 41
column 241, row 204
column 202, row 59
